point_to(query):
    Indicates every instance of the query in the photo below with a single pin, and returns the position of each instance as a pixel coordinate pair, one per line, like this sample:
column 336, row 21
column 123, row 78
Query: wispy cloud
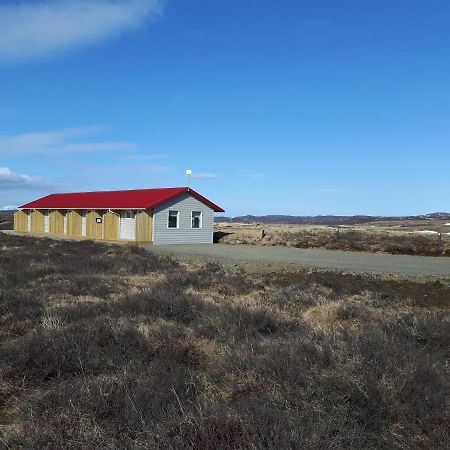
column 145, row 157
column 57, row 142
column 10, row 180
column 134, row 168
column 250, row 173
column 205, row 176
column 37, row 28
column 97, row 147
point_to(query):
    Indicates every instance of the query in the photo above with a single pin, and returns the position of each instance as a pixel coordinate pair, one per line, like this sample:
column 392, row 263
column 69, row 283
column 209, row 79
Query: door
column 144, row 223
column 37, row 222
column 111, row 226
column 56, row 222
column 20, row 221
column 74, row 223
column 94, row 225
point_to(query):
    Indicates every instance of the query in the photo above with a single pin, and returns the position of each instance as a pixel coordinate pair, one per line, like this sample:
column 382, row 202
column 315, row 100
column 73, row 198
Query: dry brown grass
column 112, row 347
column 380, row 239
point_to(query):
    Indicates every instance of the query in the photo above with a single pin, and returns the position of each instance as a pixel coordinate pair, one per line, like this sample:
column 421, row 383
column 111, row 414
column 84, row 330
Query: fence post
column 439, row 242
column 338, row 234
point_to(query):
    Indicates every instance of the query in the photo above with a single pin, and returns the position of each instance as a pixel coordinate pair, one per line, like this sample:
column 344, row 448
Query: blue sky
column 278, row 107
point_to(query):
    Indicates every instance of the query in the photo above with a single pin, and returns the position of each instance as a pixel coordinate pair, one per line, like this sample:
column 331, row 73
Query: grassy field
column 408, row 238
column 112, row 347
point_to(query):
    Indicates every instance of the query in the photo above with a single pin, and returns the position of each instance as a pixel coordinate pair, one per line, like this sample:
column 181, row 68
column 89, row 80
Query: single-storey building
column 159, row 216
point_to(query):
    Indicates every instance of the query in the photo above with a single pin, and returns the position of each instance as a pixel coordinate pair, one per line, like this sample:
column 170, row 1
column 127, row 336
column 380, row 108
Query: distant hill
column 326, row 220
column 6, row 213
column 439, row 216
column 6, row 220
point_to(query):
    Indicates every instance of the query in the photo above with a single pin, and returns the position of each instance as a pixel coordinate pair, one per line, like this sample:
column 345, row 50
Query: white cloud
column 205, row 176
column 57, row 142
column 31, row 29
column 10, row 180
column 95, row 147
column 8, row 208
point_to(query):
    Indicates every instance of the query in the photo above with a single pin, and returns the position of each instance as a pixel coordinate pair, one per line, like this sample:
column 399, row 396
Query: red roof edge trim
column 194, row 194
column 212, row 205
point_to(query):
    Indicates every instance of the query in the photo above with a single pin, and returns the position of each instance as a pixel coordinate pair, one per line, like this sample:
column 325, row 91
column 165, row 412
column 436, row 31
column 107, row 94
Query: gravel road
column 320, row 258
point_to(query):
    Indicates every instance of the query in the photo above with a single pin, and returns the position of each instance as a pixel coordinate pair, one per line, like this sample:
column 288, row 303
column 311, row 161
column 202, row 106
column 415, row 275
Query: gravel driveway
column 320, row 258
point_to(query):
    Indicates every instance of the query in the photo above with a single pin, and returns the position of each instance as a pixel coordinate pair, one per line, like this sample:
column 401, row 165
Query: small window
column 173, row 219
column 129, row 214
column 196, row 219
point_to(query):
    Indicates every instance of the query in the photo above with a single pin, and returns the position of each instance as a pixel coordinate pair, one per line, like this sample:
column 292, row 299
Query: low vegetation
column 113, row 347
column 375, row 241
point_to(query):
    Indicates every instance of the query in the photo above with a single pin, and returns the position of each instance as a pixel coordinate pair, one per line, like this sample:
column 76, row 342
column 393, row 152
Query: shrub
column 208, row 357
column 167, row 301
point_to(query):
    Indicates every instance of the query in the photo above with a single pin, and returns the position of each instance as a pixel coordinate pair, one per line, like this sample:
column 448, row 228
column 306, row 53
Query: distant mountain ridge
column 327, row 220
column 439, row 215
column 306, row 220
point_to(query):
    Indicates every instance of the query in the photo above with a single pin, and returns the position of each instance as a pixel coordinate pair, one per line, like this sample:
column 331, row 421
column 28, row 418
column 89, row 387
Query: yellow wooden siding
column 144, row 223
column 94, row 229
column 111, row 226
column 20, row 221
column 74, row 223
column 56, row 223
column 37, row 222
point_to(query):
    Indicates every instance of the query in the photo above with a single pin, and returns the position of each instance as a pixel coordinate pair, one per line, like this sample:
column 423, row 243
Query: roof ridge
column 120, row 190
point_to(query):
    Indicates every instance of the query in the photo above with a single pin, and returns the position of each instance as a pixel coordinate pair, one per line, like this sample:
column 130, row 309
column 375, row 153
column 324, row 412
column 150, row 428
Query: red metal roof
column 134, row 199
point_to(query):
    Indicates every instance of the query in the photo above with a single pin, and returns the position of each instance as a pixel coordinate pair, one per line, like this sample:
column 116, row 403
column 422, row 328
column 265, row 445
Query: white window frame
column 201, row 220
column 178, row 219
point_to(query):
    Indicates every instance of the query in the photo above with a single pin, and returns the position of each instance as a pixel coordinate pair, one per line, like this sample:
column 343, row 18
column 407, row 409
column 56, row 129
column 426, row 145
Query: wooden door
column 37, row 222
column 21, row 221
column 111, row 226
column 94, row 225
column 56, row 222
column 74, row 222
column 144, row 223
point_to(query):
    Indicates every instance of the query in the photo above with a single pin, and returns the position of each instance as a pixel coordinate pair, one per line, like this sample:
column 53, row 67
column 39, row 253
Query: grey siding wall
column 185, row 234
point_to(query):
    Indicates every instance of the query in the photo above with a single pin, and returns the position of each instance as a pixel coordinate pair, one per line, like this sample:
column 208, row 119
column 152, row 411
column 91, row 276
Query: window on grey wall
column 173, row 219
column 196, row 219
